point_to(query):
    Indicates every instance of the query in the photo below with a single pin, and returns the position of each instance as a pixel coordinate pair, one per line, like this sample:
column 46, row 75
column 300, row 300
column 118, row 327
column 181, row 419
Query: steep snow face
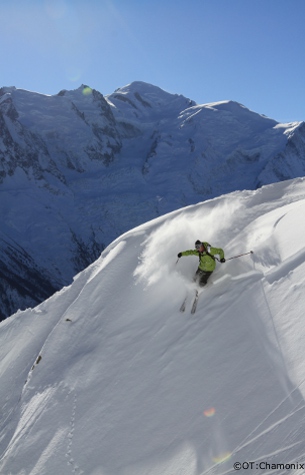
column 108, row 377
column 288, row 162
column 78, row 169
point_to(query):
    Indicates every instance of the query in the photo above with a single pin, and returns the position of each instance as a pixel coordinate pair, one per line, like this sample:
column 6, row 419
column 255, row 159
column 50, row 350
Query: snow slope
column 107, row 377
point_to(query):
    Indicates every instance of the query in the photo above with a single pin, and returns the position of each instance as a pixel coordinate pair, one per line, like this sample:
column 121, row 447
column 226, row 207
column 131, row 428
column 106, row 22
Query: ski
column 183, row 305
column 194, row 306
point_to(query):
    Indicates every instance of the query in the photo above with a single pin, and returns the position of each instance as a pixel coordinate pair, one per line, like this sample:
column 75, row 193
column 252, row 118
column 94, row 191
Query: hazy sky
column 250, row 51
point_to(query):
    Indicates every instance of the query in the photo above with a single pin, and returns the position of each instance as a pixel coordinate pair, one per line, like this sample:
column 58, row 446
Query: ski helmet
column 198, row 244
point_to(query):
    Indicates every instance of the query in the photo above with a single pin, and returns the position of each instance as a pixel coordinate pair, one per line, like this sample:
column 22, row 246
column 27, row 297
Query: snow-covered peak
column 151, row 93
column 141, row 98
column 64, row 125
column 228, row 112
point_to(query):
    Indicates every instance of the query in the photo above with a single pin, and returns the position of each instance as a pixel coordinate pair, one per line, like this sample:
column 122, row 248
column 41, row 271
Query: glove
column 180, row 255
column 222, row 260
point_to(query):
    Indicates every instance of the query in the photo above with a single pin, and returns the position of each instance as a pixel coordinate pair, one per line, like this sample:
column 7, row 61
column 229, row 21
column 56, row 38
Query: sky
column 249, row 51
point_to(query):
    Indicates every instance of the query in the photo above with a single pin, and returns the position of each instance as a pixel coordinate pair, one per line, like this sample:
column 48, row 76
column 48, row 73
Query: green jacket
column 206, row 260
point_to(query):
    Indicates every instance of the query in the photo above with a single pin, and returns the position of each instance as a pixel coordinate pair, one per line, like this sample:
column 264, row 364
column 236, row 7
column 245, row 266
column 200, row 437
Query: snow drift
column 107, row 377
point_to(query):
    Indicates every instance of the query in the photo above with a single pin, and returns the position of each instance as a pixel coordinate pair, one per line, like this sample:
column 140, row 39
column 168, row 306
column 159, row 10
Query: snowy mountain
column 107, row 377
column 79, row 169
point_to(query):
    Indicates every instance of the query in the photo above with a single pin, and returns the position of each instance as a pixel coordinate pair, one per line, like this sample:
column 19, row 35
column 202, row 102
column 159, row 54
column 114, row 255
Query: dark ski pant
column 201, row 277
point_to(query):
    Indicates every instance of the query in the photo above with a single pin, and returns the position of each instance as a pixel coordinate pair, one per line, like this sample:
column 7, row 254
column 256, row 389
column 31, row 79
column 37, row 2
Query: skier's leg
column 204, row 278
column 197, row 276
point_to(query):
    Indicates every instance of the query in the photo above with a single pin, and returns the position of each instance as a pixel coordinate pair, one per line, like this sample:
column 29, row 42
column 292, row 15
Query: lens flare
column 222, row 457
column 87, row 91
column 209, row 412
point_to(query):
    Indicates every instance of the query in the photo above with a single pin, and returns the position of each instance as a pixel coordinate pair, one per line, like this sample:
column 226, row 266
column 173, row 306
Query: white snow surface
column 108, row 377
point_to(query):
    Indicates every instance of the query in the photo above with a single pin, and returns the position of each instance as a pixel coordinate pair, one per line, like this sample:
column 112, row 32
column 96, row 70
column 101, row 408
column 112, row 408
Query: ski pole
column 239, row 255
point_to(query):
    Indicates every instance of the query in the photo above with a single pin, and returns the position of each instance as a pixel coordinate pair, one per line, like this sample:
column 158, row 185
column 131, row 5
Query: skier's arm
column 191, row 252
column 214, row 251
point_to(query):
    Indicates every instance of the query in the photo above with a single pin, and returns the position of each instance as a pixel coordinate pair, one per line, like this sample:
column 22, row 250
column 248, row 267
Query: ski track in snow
column 71, row 461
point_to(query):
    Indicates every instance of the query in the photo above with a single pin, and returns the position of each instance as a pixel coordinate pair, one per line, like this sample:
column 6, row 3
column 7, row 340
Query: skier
column 207, row 264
